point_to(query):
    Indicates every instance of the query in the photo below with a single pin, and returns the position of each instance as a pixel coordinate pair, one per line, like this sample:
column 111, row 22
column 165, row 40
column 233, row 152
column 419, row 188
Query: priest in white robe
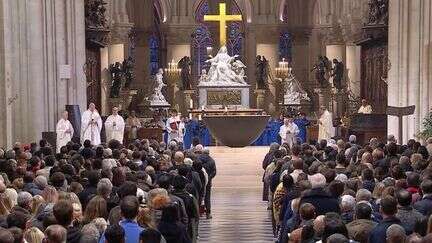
column 91, row 125
column 289, row 132
column 173, row 127
column 326, row 129
column 365, row 108
column 114, row 126
column 64, row 130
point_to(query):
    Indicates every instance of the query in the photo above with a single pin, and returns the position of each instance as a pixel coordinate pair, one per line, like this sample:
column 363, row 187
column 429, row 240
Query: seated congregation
column 146, row 193
column 337, row 191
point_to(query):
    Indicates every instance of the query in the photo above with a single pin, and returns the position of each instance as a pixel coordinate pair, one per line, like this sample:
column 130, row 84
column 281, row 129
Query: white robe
column 365, row 109
column 64, row 132
column 91, row 131
column 173, row 134
column 288, row 133
column 326, row 129
column 114, row 128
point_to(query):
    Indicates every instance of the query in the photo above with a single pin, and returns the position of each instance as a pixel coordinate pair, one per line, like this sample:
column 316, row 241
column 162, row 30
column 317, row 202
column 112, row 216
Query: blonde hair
column 37, row 201
column 34, row 235
column 145, row 218
column 6, row 204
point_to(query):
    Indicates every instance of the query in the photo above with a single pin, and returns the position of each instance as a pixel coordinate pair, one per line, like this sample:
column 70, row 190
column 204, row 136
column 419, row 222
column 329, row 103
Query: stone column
column 43, row 65
column 336, row 49
column 353, row 63
column 409, row 78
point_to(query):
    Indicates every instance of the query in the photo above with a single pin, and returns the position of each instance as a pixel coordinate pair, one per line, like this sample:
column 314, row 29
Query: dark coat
column 424, row 206
column 322, row 201
column 209, row 165
column 378, row 234
column 174, row 232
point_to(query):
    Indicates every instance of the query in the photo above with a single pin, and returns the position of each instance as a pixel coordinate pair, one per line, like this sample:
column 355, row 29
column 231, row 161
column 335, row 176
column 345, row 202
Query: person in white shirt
column 91, row 125
column 288, row 132
column 114, row 126
column 64, row 130
column 326, row 129
column 365, row 108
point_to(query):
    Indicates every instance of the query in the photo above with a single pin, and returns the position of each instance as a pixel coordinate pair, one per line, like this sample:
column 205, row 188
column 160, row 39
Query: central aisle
column 239, row 215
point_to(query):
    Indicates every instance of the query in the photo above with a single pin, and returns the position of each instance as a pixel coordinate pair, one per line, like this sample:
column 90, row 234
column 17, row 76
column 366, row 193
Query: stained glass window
column 154, row 54
column 202, row 38
column 285, row 46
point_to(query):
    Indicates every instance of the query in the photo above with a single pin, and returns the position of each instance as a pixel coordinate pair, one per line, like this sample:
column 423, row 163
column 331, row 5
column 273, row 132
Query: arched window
column 155, row 40
column 202, row 38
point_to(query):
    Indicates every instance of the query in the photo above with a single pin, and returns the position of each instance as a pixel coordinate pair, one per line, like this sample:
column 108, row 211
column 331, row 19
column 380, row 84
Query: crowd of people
column 340, row 191
column 147, row 192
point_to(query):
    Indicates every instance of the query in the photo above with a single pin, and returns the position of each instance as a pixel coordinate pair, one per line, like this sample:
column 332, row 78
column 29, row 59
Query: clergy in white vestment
column 91, row 125
column 173, row 127
column 114, row 126
column 365, row 108
column 288, row 132
column 326, row 129
column 64, row 130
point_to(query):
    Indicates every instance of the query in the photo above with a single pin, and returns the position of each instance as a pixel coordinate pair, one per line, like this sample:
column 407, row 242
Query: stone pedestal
column 324, row 97
column 216, row 97
column 187, row 98
column 124, row 99
column 260, row 98
column 340, row 103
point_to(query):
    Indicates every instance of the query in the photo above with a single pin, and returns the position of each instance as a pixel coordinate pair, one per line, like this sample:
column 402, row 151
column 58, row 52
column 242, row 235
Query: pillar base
column 260, row 98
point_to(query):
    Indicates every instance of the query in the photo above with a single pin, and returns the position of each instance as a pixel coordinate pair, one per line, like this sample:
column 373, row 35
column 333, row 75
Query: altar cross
column 222, row 18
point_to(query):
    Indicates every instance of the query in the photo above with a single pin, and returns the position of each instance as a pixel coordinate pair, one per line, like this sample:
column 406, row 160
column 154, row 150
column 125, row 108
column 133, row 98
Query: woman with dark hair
column 171, row 228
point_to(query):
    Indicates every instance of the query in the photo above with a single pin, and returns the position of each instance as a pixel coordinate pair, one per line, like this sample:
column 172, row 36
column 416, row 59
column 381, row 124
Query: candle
column 199, row 117
column 226, row 109
column 202, row 107
column 191, row 103
column 190, row 116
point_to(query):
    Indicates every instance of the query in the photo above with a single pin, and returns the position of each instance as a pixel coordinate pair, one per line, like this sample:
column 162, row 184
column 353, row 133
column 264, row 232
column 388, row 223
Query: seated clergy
column 365, row 108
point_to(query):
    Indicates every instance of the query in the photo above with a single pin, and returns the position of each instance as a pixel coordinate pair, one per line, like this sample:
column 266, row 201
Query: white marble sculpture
column 157, row 97
column 294, row 92
column 224, row 71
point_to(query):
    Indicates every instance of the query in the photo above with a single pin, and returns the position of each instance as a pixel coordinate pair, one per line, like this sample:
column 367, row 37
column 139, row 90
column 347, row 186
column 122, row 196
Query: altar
column 216, row 97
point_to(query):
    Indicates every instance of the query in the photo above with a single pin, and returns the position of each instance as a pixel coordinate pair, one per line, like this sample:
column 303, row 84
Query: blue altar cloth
column 197, row 129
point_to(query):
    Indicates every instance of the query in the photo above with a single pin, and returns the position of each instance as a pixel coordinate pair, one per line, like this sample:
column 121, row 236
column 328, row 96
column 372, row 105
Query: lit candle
column 191, row 103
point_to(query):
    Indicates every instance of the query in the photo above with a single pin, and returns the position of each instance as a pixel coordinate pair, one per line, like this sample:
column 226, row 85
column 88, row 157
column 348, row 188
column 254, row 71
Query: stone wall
column 37, row 39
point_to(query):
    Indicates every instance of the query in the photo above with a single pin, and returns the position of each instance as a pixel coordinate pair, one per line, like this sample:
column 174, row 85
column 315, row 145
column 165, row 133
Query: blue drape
column 198, row 129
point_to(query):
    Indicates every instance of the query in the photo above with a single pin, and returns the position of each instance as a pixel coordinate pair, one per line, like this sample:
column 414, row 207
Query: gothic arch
column 244, row 5
column 310, row 6
column 164, row 10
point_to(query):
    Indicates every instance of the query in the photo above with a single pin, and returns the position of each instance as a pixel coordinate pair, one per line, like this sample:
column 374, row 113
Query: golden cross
column 222, row 18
